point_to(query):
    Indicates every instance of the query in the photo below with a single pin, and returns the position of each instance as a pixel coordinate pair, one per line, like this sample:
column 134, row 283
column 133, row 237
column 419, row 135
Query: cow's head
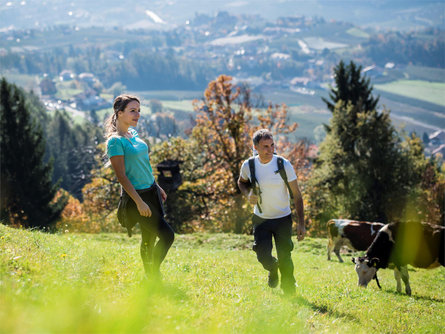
column 366, row 269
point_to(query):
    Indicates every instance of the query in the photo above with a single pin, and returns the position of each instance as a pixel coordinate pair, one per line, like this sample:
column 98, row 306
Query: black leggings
column 152, row 227
column 153, row 254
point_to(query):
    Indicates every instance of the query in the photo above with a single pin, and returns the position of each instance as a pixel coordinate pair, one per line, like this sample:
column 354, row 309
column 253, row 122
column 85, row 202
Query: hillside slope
column 81, row 283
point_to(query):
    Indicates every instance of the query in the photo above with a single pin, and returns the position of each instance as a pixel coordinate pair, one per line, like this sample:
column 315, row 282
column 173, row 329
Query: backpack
column 254, row 182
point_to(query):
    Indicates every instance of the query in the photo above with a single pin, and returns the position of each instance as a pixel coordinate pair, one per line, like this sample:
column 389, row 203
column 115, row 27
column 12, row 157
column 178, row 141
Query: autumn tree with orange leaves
column 221, row 139
column 224, row 127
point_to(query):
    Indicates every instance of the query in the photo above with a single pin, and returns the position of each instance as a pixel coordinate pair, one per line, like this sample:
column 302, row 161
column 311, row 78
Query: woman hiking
column 142, row 197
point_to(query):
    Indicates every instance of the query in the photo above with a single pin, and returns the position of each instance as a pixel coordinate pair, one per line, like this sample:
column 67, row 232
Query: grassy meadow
column 432, row 92
column 93, row 283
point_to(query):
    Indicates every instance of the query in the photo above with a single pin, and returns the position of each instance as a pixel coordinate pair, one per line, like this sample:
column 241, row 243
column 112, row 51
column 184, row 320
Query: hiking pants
column 152, row 227
column 153, row 254
column 281, row 230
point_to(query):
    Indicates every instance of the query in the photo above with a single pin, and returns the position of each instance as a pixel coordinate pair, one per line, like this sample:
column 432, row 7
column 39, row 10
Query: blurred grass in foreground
column 91, row 283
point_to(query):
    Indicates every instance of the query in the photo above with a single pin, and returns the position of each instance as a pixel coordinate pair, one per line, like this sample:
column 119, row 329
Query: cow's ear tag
column 374, row 264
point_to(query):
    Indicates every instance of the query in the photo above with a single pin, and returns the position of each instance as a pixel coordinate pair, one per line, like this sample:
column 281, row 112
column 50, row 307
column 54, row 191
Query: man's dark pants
column 281, row 230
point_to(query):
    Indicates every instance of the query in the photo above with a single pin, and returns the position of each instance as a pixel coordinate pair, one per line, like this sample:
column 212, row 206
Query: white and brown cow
column 357, row 235
column 399, row 244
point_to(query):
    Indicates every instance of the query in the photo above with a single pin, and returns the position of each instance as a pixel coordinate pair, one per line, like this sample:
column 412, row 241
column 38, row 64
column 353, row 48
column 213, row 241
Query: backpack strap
column 282, row 171
column 254, row 182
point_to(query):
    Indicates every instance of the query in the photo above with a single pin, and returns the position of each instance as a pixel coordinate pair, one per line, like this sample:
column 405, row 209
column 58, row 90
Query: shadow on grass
column 322, row 309
column 416, row 297
column 165, row 289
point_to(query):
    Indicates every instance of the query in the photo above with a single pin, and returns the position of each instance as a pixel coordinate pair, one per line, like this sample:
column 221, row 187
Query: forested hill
column 388, row 14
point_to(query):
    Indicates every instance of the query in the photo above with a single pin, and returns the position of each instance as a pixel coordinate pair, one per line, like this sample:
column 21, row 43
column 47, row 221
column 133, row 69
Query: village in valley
column 286, row 60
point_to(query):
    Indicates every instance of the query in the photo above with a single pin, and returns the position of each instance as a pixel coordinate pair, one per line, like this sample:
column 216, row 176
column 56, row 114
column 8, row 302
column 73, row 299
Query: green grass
column 65, row 92
column 175, row 95
column 414, row 111
column 357, row 32
column 82, row 283
column 184, row 105
column 308, row 119
column 425, row 73
column 432, row 92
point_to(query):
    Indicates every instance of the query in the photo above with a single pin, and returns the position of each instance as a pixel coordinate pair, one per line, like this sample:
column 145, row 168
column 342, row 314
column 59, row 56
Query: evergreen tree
column 362, row 171
column 27, row 192
column 59, row 141
column 351, row 86
column 82, row 160
column 73, row 149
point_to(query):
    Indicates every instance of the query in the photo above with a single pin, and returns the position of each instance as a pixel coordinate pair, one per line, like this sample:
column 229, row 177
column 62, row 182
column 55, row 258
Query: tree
column 26, row 183
column 362, row 172
column 351, row 86
column 72, row 147
column 47, row 86
column 161, row 125
column 222, row 127
column 427, row 199
column 116, row 89
column 425, row 138
column 211, row 157
column 192, row 199
column 223, row 131
column 101, row 194
column 155, row 106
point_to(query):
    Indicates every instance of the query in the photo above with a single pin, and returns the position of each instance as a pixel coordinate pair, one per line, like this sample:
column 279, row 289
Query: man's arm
column 298, row 202
column 243, row 185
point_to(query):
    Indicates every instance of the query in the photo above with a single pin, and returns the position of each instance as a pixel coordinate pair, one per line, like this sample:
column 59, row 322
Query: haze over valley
column 284, row 50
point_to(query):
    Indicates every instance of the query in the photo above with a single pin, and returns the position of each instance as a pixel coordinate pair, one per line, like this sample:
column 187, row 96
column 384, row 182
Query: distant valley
column 285, row 55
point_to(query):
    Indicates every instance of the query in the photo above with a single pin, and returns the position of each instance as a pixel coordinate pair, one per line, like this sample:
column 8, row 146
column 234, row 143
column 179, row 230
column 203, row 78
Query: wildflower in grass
column 63, row 255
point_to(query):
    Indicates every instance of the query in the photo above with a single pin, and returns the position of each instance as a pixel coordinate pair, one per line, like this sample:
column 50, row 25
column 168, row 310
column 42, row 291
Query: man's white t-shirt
column 274, row 194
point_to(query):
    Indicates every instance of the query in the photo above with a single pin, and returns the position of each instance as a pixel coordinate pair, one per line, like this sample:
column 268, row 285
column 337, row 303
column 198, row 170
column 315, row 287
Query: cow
column 357, row 235
column 420, row 245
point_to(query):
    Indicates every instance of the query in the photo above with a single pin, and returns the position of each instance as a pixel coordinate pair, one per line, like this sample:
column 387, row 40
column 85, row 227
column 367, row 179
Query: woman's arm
column 118, row 164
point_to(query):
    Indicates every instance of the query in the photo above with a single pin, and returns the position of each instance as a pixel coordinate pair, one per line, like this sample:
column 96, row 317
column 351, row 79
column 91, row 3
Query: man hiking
column 268, row 180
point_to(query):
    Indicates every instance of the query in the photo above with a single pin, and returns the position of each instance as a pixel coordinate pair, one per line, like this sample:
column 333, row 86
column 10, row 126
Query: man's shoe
column 273, row 278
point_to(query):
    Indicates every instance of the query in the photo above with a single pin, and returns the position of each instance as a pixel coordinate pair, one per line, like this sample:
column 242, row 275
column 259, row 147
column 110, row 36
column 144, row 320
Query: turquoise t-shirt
column 137, row 161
